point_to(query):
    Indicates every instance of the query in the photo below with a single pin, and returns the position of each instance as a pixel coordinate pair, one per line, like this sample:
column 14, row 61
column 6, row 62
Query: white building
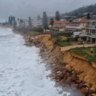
column 90, row 33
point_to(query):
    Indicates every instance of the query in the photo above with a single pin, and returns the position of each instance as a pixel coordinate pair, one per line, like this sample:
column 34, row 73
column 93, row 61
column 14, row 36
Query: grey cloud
column 25, row 8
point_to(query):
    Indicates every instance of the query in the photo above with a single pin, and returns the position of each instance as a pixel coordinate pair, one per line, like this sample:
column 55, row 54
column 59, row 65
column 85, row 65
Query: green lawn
column 61, row 42
column 32, row 33
column 86, row 53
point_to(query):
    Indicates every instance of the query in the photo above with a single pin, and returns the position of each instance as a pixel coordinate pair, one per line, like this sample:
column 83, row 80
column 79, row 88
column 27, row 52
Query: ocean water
column 22, row 72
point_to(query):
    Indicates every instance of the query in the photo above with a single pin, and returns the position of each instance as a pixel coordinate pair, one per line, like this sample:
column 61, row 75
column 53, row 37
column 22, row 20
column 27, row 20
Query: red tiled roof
column 58, row 22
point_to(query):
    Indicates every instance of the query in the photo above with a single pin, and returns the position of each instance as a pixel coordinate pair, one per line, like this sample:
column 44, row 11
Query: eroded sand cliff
column 78, row 70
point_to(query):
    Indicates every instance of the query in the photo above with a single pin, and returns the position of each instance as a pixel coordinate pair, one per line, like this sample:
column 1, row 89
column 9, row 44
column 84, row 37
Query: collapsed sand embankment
column 88, row 72
column 67, row 67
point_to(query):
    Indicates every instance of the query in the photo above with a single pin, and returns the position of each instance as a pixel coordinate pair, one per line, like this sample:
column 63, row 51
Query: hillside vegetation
column 82, row 11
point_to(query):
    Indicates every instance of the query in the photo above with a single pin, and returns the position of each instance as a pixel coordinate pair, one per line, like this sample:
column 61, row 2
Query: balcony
column 91, row 27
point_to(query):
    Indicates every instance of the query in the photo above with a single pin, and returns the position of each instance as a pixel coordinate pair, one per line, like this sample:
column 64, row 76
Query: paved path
column 77, row 46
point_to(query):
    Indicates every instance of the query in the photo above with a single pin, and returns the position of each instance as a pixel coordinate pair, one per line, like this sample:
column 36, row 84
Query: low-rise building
column 59, row 25
column 90, row 32
column 12, row 20
column 76, row 25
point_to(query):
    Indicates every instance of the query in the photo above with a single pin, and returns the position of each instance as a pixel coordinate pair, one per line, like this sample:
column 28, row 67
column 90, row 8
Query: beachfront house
column 90, row 32
column 59, row 25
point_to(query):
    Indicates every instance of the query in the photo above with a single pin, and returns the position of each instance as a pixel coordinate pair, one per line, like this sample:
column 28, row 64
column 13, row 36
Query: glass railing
column 91, row 27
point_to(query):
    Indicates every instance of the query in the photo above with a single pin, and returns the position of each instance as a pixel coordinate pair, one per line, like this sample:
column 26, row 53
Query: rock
column 68, row 81
column 93, row 94
column 74, row 78
column 59, row 73
column 81, row 85
column 84, row 91
column 64, row 72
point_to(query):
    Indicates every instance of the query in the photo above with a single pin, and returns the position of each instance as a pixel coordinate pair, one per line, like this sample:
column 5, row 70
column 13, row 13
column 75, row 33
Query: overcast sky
column 25, row 8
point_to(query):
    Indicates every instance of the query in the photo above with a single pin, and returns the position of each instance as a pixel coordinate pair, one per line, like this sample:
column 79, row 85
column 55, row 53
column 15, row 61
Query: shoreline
column 60, row 73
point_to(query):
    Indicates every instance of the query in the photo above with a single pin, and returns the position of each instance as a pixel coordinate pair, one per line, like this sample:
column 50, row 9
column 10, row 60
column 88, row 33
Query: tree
column 30, row 22
column 88, row 16
column 22, row 23
column 57, row 16
column 45, row 21
column 51, row 21
column 38, row 17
